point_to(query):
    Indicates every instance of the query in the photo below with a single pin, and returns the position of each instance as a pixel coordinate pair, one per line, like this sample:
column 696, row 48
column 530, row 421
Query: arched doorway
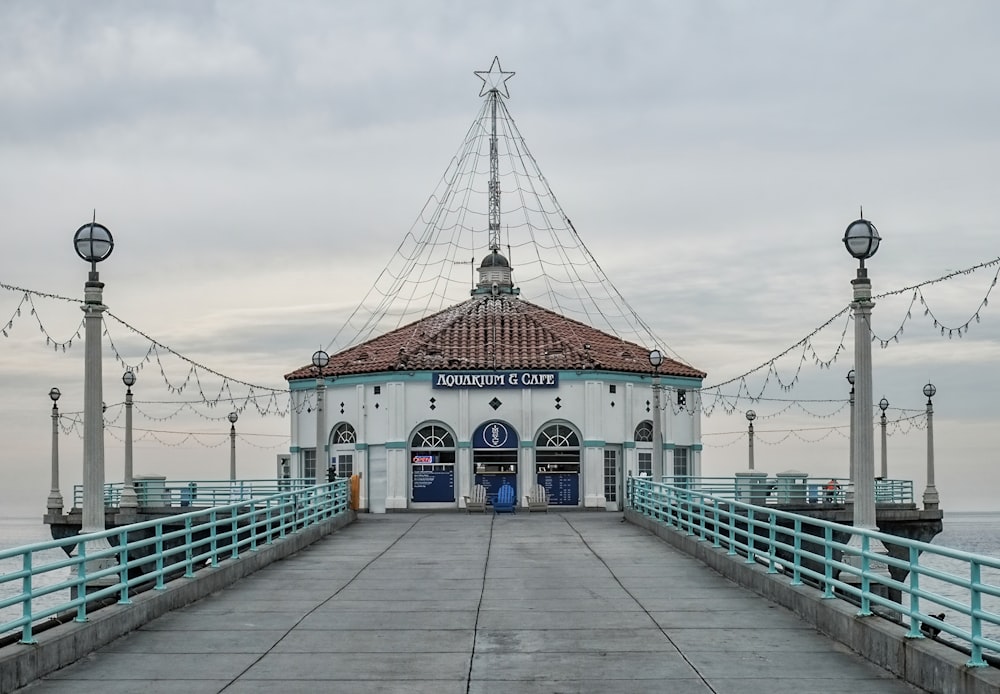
column 494, row 456
column 432, row 465
column 342, row 449
column 644, row 454
column 557, row 464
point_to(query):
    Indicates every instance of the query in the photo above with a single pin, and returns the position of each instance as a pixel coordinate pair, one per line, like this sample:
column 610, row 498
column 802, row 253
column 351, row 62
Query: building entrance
column 494, row 457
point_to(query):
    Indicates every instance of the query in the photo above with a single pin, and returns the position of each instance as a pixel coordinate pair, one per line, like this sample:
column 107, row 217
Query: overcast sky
column 259, row 162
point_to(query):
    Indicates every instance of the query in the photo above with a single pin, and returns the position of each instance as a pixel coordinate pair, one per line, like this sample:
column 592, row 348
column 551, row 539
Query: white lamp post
column 655, row 360
column 93, row 243
column 232, row 417
column 320, row 359
column 883, row 405
column 751, row 415
column 129, row 501
column 55, row 501
column 862, row 240
column 931, row 499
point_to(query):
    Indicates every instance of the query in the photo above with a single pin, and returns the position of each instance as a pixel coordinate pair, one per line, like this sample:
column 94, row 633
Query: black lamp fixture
column 929, row 391
column 861, row 239
column 93, row 242
column 320, row 359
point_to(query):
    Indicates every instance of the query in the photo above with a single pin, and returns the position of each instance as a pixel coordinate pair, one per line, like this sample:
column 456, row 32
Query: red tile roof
column 494, row 333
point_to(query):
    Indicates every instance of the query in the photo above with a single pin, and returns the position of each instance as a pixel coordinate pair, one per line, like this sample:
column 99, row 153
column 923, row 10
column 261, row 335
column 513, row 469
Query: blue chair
column 504, row 501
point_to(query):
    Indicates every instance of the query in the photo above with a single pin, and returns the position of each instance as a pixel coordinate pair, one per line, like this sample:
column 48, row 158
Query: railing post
column 26, row 635
column 797, row 553
column 751, row 532
column 189, row 552
column 914, row 578
column 866, row 609
column 975, row 620
column 123, row 598
column 772, row 545
column 828, row 563
column 160, row 583
column 732, row 530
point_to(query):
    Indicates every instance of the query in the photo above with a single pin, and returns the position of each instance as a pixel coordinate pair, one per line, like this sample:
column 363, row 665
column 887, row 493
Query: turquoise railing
column 159, row 492
column 114, row 564
column 764, row 490
column 812, row 551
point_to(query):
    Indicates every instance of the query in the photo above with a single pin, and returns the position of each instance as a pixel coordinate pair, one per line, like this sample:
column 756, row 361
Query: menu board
column 434, row 485
column 494, row 480
column 563, row 488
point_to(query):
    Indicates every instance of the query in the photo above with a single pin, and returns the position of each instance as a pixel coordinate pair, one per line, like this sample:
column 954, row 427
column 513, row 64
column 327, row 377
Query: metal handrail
column 807, row 551
column 776, row 490
column 160, row 492
column 151, row 553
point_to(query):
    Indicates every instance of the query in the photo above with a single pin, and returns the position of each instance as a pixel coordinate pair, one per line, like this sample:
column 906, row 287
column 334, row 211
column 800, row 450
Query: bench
column 504, row 501
column 538, row 500
column 477, row 501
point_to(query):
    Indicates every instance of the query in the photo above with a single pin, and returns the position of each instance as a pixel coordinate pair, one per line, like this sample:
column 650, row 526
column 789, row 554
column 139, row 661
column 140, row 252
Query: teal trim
column 464, row 444
column 527, row 444
column 594, row 443
column 395, row 444
column 696, row 447
column 361, row 446
column 669, row 446
column 628, row 444
column 294, row 449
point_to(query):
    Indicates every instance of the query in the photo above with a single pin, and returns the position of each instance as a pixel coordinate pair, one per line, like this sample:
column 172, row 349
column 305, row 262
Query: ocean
column 978, row 533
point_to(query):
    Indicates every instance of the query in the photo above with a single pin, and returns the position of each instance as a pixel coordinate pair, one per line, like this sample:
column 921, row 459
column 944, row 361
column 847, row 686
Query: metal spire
column 494, row 86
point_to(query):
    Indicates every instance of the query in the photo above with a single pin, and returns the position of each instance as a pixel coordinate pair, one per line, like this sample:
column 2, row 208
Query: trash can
column 189, row 493
column 151, row 490
column 791, row 487
column 751, row 487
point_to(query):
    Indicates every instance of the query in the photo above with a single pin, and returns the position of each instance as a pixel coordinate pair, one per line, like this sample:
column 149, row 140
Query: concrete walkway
column 450, row 604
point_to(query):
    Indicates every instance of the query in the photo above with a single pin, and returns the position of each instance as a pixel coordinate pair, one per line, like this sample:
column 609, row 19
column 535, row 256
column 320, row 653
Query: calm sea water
column 978, row 533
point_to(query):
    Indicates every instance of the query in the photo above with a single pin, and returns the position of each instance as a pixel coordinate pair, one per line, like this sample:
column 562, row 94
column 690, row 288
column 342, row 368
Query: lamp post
column 55, row 501
column 861, row 239
column 751, row 415
column 655, row 360
column 129, row 499
column 931, row 499
column 319, row 360
column 883, row 405
column 849, row 496
column 93, row 243
column 233, row 416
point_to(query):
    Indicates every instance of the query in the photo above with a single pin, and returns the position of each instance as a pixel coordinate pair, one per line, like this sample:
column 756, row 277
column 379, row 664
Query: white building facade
column 494, row 390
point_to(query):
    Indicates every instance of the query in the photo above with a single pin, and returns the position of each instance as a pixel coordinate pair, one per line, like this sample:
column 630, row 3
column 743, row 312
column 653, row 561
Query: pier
column 448, row 603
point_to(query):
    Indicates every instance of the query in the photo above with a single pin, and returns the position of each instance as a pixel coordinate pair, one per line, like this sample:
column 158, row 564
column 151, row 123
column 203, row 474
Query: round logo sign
column 495, row 435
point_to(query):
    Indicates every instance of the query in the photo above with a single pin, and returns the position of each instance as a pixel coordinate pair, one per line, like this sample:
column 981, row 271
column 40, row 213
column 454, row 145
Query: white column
column 321, row 456
column 931, row 500
column 128, row 499
column 864, row 444
column 657, row 431
column 55, row 501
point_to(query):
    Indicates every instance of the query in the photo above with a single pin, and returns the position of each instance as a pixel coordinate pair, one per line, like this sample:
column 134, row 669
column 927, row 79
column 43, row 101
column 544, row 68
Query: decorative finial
column 494, row 79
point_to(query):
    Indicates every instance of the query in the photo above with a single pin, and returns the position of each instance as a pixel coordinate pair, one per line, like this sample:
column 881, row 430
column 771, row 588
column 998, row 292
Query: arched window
column 557, row 436
column 344, row 433
column 433, row 436
column 644, row 432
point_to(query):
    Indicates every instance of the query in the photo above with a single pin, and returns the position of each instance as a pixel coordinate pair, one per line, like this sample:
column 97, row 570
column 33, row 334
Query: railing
column 763, row 490
column 807, row 551
column 114, row 564
column 159, row 492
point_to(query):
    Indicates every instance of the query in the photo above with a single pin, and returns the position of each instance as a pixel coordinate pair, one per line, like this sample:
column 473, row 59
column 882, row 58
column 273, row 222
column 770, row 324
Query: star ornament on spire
column 494, row 79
